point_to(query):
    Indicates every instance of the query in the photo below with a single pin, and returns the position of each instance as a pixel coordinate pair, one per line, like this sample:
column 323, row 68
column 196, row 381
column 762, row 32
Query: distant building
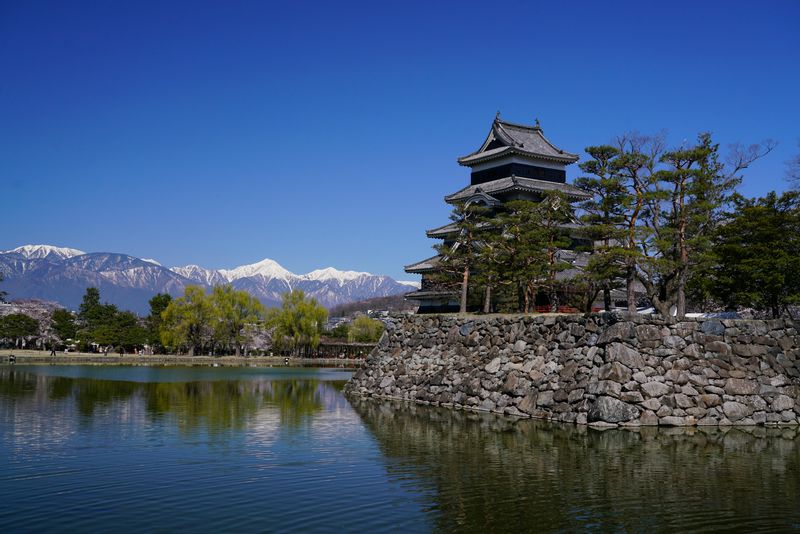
column 515, row 162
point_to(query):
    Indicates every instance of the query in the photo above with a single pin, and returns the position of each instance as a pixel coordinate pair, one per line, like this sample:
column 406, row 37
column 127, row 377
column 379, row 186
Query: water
column 88, row 448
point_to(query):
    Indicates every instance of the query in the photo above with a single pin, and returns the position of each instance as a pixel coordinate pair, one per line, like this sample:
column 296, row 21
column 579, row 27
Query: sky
column 326, row 134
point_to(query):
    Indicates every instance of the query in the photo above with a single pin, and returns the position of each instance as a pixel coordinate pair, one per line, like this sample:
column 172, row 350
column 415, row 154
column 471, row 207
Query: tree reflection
column 214, row 406
column 494, row 474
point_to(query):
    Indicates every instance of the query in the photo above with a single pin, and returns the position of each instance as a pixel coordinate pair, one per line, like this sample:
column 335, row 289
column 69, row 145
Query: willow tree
column 297, row 323
column 186, row 322
column 232, row 311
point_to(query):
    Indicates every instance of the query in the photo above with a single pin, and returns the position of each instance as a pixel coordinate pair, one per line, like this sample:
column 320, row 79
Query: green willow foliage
column 297, row 324
column 201, row 322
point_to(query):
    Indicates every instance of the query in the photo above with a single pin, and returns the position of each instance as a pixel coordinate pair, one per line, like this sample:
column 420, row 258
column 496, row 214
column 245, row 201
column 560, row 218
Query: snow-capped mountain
column 45, row 251
column 206, row 277
column 330, row 273
column 267, row 268
column 63, row 274
column 268, row 280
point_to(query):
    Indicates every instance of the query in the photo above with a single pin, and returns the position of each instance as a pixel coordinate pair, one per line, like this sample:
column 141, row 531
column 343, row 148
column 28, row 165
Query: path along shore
column 74, row 358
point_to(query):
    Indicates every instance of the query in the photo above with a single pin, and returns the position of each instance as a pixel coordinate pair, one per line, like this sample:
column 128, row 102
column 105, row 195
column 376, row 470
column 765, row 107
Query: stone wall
column 604, row 369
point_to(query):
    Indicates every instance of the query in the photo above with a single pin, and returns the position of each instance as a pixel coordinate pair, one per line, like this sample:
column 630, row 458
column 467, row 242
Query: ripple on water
column 261, row 451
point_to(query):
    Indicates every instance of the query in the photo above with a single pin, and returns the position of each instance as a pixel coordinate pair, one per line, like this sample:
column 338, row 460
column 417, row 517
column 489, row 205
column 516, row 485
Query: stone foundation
column 603, row 370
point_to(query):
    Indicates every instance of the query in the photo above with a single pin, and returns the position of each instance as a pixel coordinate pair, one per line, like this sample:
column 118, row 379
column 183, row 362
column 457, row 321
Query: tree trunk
column 630, row 288
column 238, row 351
column 487, row 299
column 464, row 287
column 606, row 298
column 680, row 296
column 191, row 350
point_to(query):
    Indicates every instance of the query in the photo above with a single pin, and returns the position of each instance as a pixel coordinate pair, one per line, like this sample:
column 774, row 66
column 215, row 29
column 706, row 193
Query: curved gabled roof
column 512, row 183
column 507, row 138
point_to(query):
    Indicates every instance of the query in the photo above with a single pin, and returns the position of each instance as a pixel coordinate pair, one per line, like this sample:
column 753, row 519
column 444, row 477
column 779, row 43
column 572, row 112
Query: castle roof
column 515, row 183
column 425, row 265
column 507, row 139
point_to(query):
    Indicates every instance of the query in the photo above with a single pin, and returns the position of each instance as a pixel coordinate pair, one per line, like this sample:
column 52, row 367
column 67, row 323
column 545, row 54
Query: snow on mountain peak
column 266, row 267
column 330, row 273
column 43, row 251
column 151, row 260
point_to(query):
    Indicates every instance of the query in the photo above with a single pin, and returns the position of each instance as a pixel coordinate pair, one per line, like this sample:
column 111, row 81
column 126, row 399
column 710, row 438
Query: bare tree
column 793, row 170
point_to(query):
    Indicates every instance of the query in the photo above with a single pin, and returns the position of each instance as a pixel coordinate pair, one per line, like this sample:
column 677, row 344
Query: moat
column 277, row 450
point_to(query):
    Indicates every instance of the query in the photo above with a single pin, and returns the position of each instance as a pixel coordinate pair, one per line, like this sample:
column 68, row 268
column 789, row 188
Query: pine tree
column 461, row 256
column 686, row 207
column 755, row 258
column 603, row 220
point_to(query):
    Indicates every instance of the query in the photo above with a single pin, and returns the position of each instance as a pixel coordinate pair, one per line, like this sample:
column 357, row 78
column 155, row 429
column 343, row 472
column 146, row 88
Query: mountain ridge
column 62, row 274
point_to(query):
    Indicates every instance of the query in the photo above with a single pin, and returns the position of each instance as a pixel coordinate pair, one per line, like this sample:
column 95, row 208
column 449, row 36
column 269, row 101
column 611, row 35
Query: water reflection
column 284, row 450
column 493, row 474
column 216, row 407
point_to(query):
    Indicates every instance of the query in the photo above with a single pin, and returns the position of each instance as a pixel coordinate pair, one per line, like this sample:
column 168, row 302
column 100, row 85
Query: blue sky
column 327, row 133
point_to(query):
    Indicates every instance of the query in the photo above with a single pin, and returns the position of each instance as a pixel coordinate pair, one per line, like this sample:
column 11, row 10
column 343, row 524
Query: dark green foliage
column 18, row 327
column 3, row 294
column 105, row 326
column 154, row 320
column 460, row 256
column 604, row 222
column 340, row 332
column 64, row 325
column 683, row 206
column 755, row 259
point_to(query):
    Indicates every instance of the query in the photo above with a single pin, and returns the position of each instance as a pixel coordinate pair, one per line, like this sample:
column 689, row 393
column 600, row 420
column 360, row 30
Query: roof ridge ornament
column 537, row 125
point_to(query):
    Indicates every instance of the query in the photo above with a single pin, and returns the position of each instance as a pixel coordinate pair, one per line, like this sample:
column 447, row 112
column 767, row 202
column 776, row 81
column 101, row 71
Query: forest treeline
column 217, row 322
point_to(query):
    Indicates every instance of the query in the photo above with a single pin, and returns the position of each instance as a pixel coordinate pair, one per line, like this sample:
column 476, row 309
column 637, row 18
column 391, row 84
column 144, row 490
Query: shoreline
column 43, row 357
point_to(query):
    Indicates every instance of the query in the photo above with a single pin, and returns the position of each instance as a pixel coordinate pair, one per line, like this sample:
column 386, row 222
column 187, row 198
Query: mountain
column 123, row 280
column 62, row 274
column 201, row 275
column 267, row 280
column 45, row 252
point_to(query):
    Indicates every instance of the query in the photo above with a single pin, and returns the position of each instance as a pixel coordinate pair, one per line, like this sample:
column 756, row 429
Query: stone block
column 493, row 366
column 545, row 398
column 528, row 403
column 739, row 386
column 648, row 332
column 712, row 327
column 610, row 410
column 651, row 404
column 604, row 387
column 735, row 410
column 615, row 371
column 709, row 400
column 782, row 402
column 718, row 347
column 622, row 331
column 648, row 418
column 655, row 389
column 672, row 421
column 631, row 397
column 617, row 352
